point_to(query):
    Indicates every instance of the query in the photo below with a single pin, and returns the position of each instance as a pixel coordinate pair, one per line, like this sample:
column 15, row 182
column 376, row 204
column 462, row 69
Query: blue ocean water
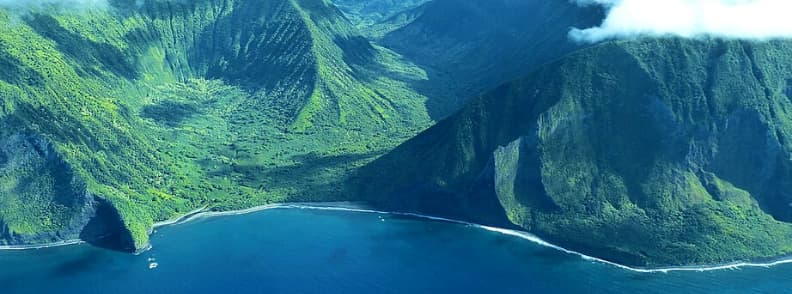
column 316, row 251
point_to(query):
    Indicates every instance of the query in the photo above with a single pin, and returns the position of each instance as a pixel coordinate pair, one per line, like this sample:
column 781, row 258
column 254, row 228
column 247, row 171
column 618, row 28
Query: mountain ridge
column 635, row 151
column 648, row 152
column 474, row 46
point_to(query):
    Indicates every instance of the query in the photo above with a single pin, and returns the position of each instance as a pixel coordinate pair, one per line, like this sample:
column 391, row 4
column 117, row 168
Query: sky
column 737, row 19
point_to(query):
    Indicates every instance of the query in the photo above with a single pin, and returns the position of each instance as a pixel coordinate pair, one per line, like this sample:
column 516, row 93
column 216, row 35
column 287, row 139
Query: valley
column 650, row 151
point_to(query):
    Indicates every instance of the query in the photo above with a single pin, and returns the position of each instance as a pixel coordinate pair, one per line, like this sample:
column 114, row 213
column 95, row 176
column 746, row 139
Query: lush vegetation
column 177, row 105
column 368, row 14
column 472, row 46
column 648, row 152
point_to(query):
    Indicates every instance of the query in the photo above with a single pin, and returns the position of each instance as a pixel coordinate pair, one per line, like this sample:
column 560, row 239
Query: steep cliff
column 648, row 152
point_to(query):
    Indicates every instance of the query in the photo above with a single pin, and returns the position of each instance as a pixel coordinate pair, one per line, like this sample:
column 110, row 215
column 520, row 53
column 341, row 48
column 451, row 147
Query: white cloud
column 739, row 19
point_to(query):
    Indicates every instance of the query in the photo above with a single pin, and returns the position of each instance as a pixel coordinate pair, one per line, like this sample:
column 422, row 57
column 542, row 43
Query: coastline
column 180, row 219
column 41, row 246
column 206, row 213
column 360, row 208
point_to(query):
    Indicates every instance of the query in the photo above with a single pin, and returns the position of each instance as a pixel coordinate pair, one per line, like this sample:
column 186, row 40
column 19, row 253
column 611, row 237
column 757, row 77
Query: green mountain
column 649, row 152
column 370, row 13
column 113, row 119
column 471, row 46
column 646, row 152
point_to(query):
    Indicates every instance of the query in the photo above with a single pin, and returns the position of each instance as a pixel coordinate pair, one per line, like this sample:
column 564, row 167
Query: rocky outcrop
column 34, row 175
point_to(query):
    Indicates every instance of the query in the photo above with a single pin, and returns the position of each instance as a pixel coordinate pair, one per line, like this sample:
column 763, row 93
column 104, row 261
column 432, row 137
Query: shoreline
column 41, row 246
column 205, row 213
column 180, row 219
column 539, row 241
column 359, row 208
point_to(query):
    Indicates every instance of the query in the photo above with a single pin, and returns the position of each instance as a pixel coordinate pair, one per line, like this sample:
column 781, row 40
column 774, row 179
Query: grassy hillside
column 143, row 113
column 648, row 152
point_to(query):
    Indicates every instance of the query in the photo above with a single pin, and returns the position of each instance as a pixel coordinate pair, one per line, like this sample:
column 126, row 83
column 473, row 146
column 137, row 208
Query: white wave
column 41, row 246
column 514, row 233
column 535, row 239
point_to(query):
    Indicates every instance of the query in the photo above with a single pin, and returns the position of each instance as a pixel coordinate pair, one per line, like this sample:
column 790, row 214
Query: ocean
column 293, row 250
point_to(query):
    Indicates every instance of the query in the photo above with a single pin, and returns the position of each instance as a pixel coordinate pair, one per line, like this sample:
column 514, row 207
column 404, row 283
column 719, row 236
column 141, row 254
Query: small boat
column 153, row 265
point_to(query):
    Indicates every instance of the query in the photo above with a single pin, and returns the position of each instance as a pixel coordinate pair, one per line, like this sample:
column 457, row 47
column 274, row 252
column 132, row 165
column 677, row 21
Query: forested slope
column 142, row 111
column 649, row 152
column 472, row 46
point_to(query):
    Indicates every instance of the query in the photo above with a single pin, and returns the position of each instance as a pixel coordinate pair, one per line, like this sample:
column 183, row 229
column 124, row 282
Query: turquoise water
column 314, row 251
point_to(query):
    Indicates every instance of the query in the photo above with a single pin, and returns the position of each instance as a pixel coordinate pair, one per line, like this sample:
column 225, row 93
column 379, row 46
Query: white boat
column 153, row 265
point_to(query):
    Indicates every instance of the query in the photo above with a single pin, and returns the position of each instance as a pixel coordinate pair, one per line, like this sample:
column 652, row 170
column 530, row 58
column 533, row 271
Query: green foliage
column 178, row 105
column 371, row 14
column 648, row 152
column 472, row 46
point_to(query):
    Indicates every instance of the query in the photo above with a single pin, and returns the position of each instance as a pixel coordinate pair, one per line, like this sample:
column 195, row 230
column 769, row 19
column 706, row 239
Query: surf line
column 204, row 213
column 42, row 246
column 535, row 239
